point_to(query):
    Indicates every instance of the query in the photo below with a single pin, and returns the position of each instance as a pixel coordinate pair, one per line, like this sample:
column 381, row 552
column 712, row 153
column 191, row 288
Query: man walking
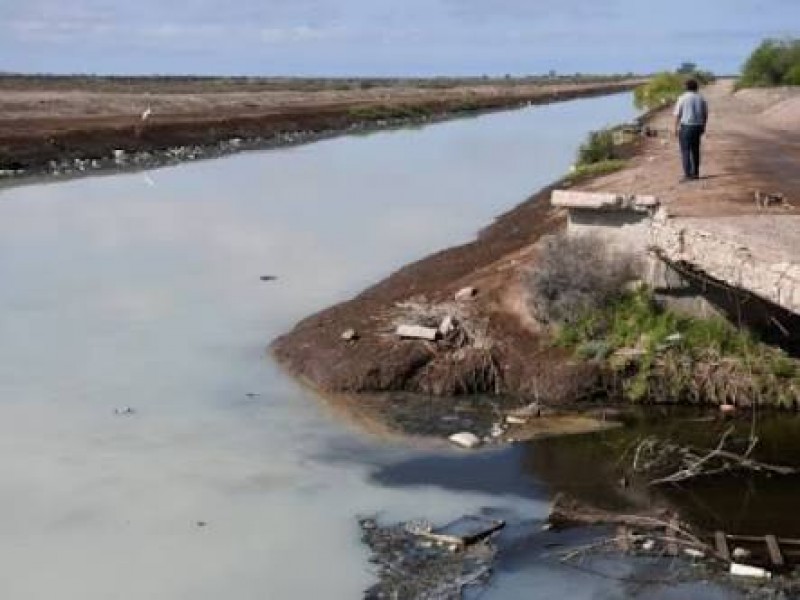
column 691, row 116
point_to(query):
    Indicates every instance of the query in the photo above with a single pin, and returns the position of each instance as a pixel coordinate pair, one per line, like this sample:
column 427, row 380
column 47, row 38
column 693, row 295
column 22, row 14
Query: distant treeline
column 773, row 63
column 191, row 83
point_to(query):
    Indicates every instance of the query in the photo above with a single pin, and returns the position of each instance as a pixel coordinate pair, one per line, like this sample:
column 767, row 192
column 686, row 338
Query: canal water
column 149, row 448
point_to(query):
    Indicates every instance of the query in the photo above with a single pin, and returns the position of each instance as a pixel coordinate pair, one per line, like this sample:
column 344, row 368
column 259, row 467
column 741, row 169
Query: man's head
column 691, row 85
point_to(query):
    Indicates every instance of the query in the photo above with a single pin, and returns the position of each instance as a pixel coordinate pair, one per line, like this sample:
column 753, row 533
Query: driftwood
column 660, row 532
column 683, row 463
column 567, row 512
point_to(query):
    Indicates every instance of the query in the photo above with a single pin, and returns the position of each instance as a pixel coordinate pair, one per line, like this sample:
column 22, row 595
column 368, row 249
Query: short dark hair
column 691, row 85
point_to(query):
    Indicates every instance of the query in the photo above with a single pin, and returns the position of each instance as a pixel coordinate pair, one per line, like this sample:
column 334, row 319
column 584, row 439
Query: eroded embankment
column 500, row 351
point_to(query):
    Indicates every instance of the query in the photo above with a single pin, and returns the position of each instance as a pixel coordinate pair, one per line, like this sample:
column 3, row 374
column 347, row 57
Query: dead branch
column 683, row 463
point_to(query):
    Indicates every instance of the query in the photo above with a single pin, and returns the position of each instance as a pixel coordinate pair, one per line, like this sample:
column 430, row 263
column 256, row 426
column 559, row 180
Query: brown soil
column 742, row 155
column 495, row 263
column 45, row 120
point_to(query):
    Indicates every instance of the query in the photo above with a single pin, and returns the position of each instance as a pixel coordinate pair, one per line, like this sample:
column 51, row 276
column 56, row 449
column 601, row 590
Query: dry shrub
column 574, row 275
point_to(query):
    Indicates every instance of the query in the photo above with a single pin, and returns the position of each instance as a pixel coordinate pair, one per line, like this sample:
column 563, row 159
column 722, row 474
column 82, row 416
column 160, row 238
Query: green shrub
column 773, row 63
column 595, row 169
column 662, row 89
column 672, row 357
column 597, row 148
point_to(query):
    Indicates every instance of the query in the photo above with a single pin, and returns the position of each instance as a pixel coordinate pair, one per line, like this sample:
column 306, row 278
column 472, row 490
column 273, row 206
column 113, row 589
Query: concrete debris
column 752, row 254
column 603, row 201
column 350, row 335
column 465, row 531
column 415, row 566
column 466, row 293
column 465, row 439
column 417, row 332
column 741, row 570
column 447, row 326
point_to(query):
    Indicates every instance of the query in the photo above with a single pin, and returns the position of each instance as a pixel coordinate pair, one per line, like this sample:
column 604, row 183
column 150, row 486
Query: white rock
column 465, row 439
column 516, row 420
column 748, row 571
column 465, row 294
column 349, row 335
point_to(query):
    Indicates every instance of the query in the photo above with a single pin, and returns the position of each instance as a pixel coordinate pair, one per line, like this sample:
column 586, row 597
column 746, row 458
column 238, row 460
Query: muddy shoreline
column 70, row 145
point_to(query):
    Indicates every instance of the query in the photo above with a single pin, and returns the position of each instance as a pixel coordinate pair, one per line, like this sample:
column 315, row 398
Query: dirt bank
column 508, row 354
column 68, row 125
column 516, row 358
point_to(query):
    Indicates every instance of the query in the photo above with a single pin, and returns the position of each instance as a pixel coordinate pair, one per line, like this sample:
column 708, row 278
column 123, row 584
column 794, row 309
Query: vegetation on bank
column 648, row 352
column 664, row 88
column 773, row 63
column 604, row 151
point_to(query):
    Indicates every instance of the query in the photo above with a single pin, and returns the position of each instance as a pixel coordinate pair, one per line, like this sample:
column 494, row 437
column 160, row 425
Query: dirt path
column 752, row 143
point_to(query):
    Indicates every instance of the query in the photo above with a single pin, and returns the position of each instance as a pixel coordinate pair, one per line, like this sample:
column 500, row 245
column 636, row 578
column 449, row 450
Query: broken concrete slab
column 465, row 531
column 603, row 201
column 417, row 332
column 756, row 253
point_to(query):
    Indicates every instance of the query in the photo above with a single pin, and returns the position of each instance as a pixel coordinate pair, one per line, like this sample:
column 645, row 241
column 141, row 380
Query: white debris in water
column 465, row 439
column 748, row 571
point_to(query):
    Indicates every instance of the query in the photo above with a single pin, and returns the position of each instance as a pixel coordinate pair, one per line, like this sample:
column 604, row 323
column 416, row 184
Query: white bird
column 146, row 114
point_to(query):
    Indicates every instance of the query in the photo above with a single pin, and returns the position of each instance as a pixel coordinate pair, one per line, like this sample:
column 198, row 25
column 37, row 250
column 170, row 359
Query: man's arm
column 678, row 112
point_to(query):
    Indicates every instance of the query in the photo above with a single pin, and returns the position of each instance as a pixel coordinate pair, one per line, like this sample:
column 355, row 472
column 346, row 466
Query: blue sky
column 384, row 37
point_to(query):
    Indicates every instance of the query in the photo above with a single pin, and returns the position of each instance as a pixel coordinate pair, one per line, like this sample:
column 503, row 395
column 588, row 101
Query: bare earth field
column 753, row 143
column 43, row 120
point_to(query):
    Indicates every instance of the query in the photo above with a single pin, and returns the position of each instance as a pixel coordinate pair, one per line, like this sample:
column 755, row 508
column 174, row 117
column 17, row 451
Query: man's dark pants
column 689, row 137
